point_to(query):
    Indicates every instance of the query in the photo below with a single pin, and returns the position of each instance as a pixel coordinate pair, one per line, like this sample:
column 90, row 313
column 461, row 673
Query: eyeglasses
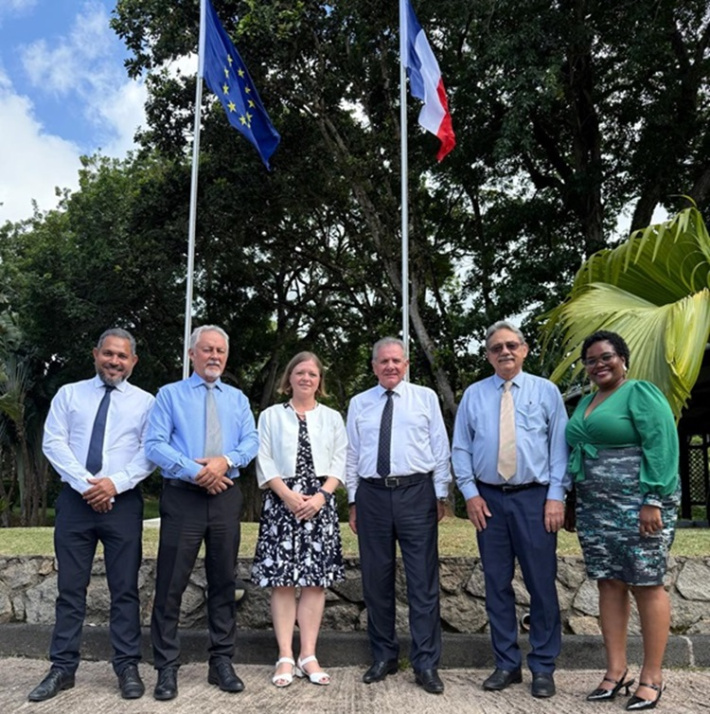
column 510, row 346
column 606, row 358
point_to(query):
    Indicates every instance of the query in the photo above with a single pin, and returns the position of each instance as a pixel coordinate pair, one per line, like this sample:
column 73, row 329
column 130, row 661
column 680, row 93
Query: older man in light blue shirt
column 515, row 499
column 200, row 433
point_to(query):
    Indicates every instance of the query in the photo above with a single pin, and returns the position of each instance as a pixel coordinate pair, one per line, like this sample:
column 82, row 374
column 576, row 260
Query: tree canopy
column 574, row 120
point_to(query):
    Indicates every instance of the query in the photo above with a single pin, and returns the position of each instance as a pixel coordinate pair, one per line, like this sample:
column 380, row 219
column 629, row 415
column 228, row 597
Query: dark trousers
column 516, row 529
column 189, row 516
column 409, row 516
column 78, row 528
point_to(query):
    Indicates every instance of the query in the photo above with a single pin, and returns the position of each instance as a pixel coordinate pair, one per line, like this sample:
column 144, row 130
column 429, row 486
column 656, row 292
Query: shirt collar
column 517, row 380
column 196, row 381
column 398, row 390
column 98, row 383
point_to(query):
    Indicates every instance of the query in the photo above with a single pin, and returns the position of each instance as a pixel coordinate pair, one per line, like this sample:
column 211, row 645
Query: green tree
column 559, row 110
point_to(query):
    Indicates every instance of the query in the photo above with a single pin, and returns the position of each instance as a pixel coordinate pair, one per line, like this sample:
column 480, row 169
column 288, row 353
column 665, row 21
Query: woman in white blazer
column 301, row 461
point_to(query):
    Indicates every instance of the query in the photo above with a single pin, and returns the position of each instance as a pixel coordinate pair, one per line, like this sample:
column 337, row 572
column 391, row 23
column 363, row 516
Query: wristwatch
column 326, row 494
column 230, row 463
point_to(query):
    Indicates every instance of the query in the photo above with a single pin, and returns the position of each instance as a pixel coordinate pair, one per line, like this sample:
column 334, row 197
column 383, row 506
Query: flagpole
column 193, row 196
column 404, row 171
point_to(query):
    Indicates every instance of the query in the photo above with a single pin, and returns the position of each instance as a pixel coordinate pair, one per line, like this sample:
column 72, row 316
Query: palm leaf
column 654, row 290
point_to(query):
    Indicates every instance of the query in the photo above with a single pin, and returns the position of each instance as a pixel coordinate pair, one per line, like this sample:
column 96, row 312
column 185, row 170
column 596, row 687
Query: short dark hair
column 121, row 334
column 284, row 383
column 613, row 338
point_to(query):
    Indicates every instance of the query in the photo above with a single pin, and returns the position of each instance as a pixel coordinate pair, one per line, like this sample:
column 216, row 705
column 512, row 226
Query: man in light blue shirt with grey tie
column 509, row 455
column 201, row 433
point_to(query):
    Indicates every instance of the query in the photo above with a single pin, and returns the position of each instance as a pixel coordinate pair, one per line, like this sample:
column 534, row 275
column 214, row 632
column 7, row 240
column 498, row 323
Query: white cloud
column 39, row 162
column 124, row 113
column 15, row 7
column 86, row 65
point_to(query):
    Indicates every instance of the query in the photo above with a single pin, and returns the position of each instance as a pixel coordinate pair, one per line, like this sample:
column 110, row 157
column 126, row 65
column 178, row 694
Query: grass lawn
column 456, row 538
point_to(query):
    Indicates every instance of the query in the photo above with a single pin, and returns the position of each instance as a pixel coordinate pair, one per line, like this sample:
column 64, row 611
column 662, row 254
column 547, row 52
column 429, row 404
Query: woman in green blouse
column 624, row 462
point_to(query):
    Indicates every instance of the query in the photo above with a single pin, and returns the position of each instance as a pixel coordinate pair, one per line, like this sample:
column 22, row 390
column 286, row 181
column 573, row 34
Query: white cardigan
column 278, row 443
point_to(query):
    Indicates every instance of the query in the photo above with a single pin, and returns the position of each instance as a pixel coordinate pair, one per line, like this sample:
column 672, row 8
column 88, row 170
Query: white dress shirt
column 67, row 433
column 278, row 443
column 419, row 440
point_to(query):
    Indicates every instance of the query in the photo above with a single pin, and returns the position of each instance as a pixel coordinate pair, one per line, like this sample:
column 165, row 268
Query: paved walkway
column 96, row 692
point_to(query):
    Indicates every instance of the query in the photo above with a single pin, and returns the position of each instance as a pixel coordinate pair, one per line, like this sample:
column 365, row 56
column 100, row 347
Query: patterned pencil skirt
column 609, row 501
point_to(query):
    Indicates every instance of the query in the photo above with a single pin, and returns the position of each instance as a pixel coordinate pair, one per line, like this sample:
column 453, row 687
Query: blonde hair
column 285, row 384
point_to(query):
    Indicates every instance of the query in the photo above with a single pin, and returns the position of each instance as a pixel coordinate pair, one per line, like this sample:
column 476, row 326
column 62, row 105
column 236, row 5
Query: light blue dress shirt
column 419, row 440
column 540, row 420
column 176, row 428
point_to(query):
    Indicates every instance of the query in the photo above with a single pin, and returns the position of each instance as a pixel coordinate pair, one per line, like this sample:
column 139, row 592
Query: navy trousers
column 78, row 528
column 189, row 516
column 409, row 516
column 516, row 529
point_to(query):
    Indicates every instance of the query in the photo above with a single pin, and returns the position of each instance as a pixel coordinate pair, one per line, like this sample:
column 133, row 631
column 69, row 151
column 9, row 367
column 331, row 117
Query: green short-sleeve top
column 636, row 414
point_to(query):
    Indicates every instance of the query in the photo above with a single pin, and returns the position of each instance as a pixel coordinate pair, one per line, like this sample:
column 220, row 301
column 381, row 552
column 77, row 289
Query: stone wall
column 28, row 590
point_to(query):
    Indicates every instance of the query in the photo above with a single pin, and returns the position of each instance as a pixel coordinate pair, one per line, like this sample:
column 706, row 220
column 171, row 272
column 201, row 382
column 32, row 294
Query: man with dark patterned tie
column 201, row 433
column 93, row 437
column 509, row 455
column 397, row 476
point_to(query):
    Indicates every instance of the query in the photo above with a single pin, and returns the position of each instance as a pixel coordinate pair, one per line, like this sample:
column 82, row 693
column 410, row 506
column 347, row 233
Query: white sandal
column 319, row 677
column 285, row 678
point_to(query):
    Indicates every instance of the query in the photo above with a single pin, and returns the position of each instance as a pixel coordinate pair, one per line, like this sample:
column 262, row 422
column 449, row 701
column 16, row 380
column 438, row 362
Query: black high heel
column 602, row 695
column 636, row 704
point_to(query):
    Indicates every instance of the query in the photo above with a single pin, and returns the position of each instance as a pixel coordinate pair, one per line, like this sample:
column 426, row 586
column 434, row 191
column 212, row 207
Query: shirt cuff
column 556, row 493
column 653, row 499
column 469, row 490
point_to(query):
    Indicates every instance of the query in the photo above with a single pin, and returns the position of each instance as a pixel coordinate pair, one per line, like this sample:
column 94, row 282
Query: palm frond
column 654, row 290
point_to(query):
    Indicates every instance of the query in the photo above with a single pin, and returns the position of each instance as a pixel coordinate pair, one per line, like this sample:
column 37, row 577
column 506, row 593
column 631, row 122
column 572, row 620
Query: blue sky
column 63, row 92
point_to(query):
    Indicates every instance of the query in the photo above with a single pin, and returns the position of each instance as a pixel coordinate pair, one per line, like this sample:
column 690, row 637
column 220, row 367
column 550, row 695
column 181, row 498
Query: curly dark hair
column 616, row 341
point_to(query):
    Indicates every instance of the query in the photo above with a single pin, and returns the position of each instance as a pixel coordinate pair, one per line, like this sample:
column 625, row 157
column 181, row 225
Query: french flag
column 426, row 84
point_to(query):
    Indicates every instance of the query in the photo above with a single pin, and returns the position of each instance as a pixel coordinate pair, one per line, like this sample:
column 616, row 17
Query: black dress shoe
column 430, row 680
column 379, row 670
column 543, row 685
column 166, row 686
column 130, row 683
column 56, row 681
column 502, row 678
column 222, row 674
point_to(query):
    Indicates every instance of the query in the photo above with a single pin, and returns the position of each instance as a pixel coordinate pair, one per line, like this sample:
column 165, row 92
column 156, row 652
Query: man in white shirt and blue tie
column 93, row 437
column 397, row 477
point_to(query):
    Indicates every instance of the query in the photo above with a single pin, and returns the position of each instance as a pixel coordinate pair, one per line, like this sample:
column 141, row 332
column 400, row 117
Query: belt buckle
column 391, row 481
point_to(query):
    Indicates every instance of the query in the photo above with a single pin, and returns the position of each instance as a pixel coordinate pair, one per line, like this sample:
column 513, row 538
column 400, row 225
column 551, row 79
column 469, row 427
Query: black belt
column 396, row 481
column 510, row 488
column 185, row 485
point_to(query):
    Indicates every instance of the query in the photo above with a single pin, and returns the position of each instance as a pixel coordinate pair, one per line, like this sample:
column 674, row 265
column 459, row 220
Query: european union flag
column 228, row 78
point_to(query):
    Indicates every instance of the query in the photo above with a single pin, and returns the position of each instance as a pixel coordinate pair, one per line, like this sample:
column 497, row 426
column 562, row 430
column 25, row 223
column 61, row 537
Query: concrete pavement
column 466, row 662
column 96, row 692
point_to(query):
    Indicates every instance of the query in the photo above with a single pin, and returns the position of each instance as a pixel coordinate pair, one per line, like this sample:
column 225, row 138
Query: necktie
column 213, row 429
column 507, row 459
column 383, row 447
column 94, row 456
